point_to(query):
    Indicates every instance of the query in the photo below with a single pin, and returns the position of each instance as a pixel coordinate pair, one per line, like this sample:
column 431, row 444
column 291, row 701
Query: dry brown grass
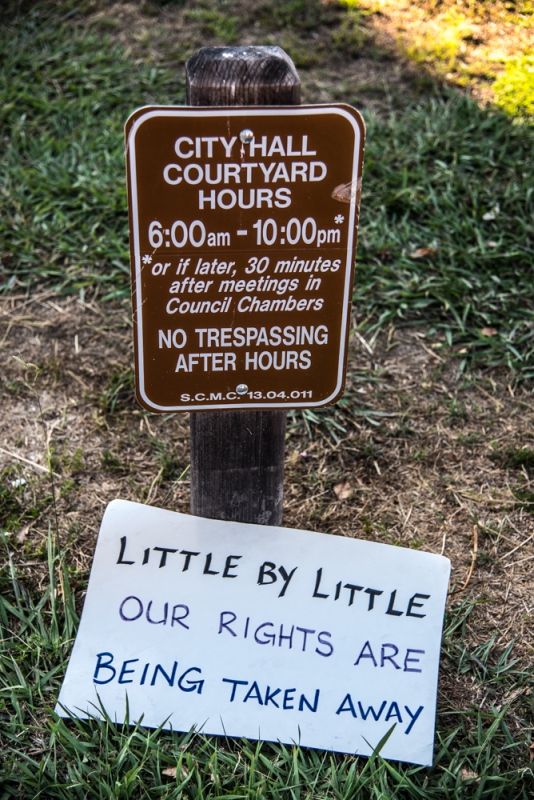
column 381, row 54
column 424, row 475
column 362, row 67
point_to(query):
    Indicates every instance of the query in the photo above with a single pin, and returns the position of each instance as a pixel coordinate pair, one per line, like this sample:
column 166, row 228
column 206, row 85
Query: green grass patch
column 455, row 179
column 10, row 508
column 444, row 174
column 64, row 98
column 514, row 88
column 213, row 23
column 515, row 458
column 478, row 753
column 21, row 500
column 119, row 392
column 302, row 15
column 524, row 497
column 111, row 462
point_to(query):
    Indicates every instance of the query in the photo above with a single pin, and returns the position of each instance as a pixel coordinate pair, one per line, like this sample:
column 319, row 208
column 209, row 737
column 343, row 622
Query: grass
column 515, row 458
column 514, row 89
column 485, row 45
column 46, row 756
column 443, row 175
column 451, row 177
column 213, row 23
column 445, row 48
column 64, row 98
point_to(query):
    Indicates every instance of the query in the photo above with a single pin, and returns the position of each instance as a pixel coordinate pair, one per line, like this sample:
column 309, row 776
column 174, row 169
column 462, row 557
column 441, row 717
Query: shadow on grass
column 446, row 233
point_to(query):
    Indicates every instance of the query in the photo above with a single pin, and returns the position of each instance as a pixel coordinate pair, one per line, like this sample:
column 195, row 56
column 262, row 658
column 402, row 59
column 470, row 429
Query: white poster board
column 267, row 633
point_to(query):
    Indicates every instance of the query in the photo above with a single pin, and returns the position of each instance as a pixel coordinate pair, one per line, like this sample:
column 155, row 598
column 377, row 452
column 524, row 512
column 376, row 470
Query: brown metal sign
column 243, row 235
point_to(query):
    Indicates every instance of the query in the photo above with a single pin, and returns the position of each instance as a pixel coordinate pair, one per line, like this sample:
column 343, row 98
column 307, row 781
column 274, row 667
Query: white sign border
column 245, row 111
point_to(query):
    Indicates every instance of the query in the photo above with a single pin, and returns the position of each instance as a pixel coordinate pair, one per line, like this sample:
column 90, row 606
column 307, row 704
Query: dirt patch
column 378, row 54
column 340, row 54
column 421, row 460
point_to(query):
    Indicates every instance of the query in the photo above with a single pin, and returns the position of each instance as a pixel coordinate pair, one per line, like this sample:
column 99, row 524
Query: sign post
column 243, row 225
column 237, row 457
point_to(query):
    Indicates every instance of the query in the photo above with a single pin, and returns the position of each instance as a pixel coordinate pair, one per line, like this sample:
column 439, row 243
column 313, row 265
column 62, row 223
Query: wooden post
column 237, row 457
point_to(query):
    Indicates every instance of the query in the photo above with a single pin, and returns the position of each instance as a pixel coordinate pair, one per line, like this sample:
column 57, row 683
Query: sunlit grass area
column 514, row 88
column 485, row 46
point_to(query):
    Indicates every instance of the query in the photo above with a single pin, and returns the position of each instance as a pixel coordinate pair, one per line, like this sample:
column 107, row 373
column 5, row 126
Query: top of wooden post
column 242, row 76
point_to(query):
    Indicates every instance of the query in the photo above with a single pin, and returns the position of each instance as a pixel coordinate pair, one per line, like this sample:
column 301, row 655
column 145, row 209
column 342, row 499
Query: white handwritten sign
column 268, row 633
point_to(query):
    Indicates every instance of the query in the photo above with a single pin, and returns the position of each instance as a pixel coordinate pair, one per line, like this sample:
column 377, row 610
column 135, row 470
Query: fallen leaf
column 468, row 774
column 170, row 772
column 293, row 458
column 23, row 533
column 343, row 490
column 423, row 252
column 531, row 752
column 346, row 192
column 492, row 214
column 488, row 331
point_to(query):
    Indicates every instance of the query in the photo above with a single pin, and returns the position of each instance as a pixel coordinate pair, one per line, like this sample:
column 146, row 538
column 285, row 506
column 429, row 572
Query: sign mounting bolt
column 246, row 136
column 241, row 388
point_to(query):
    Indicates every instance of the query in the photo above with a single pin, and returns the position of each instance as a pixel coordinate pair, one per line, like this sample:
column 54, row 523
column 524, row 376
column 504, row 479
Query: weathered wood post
column 237, row 457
